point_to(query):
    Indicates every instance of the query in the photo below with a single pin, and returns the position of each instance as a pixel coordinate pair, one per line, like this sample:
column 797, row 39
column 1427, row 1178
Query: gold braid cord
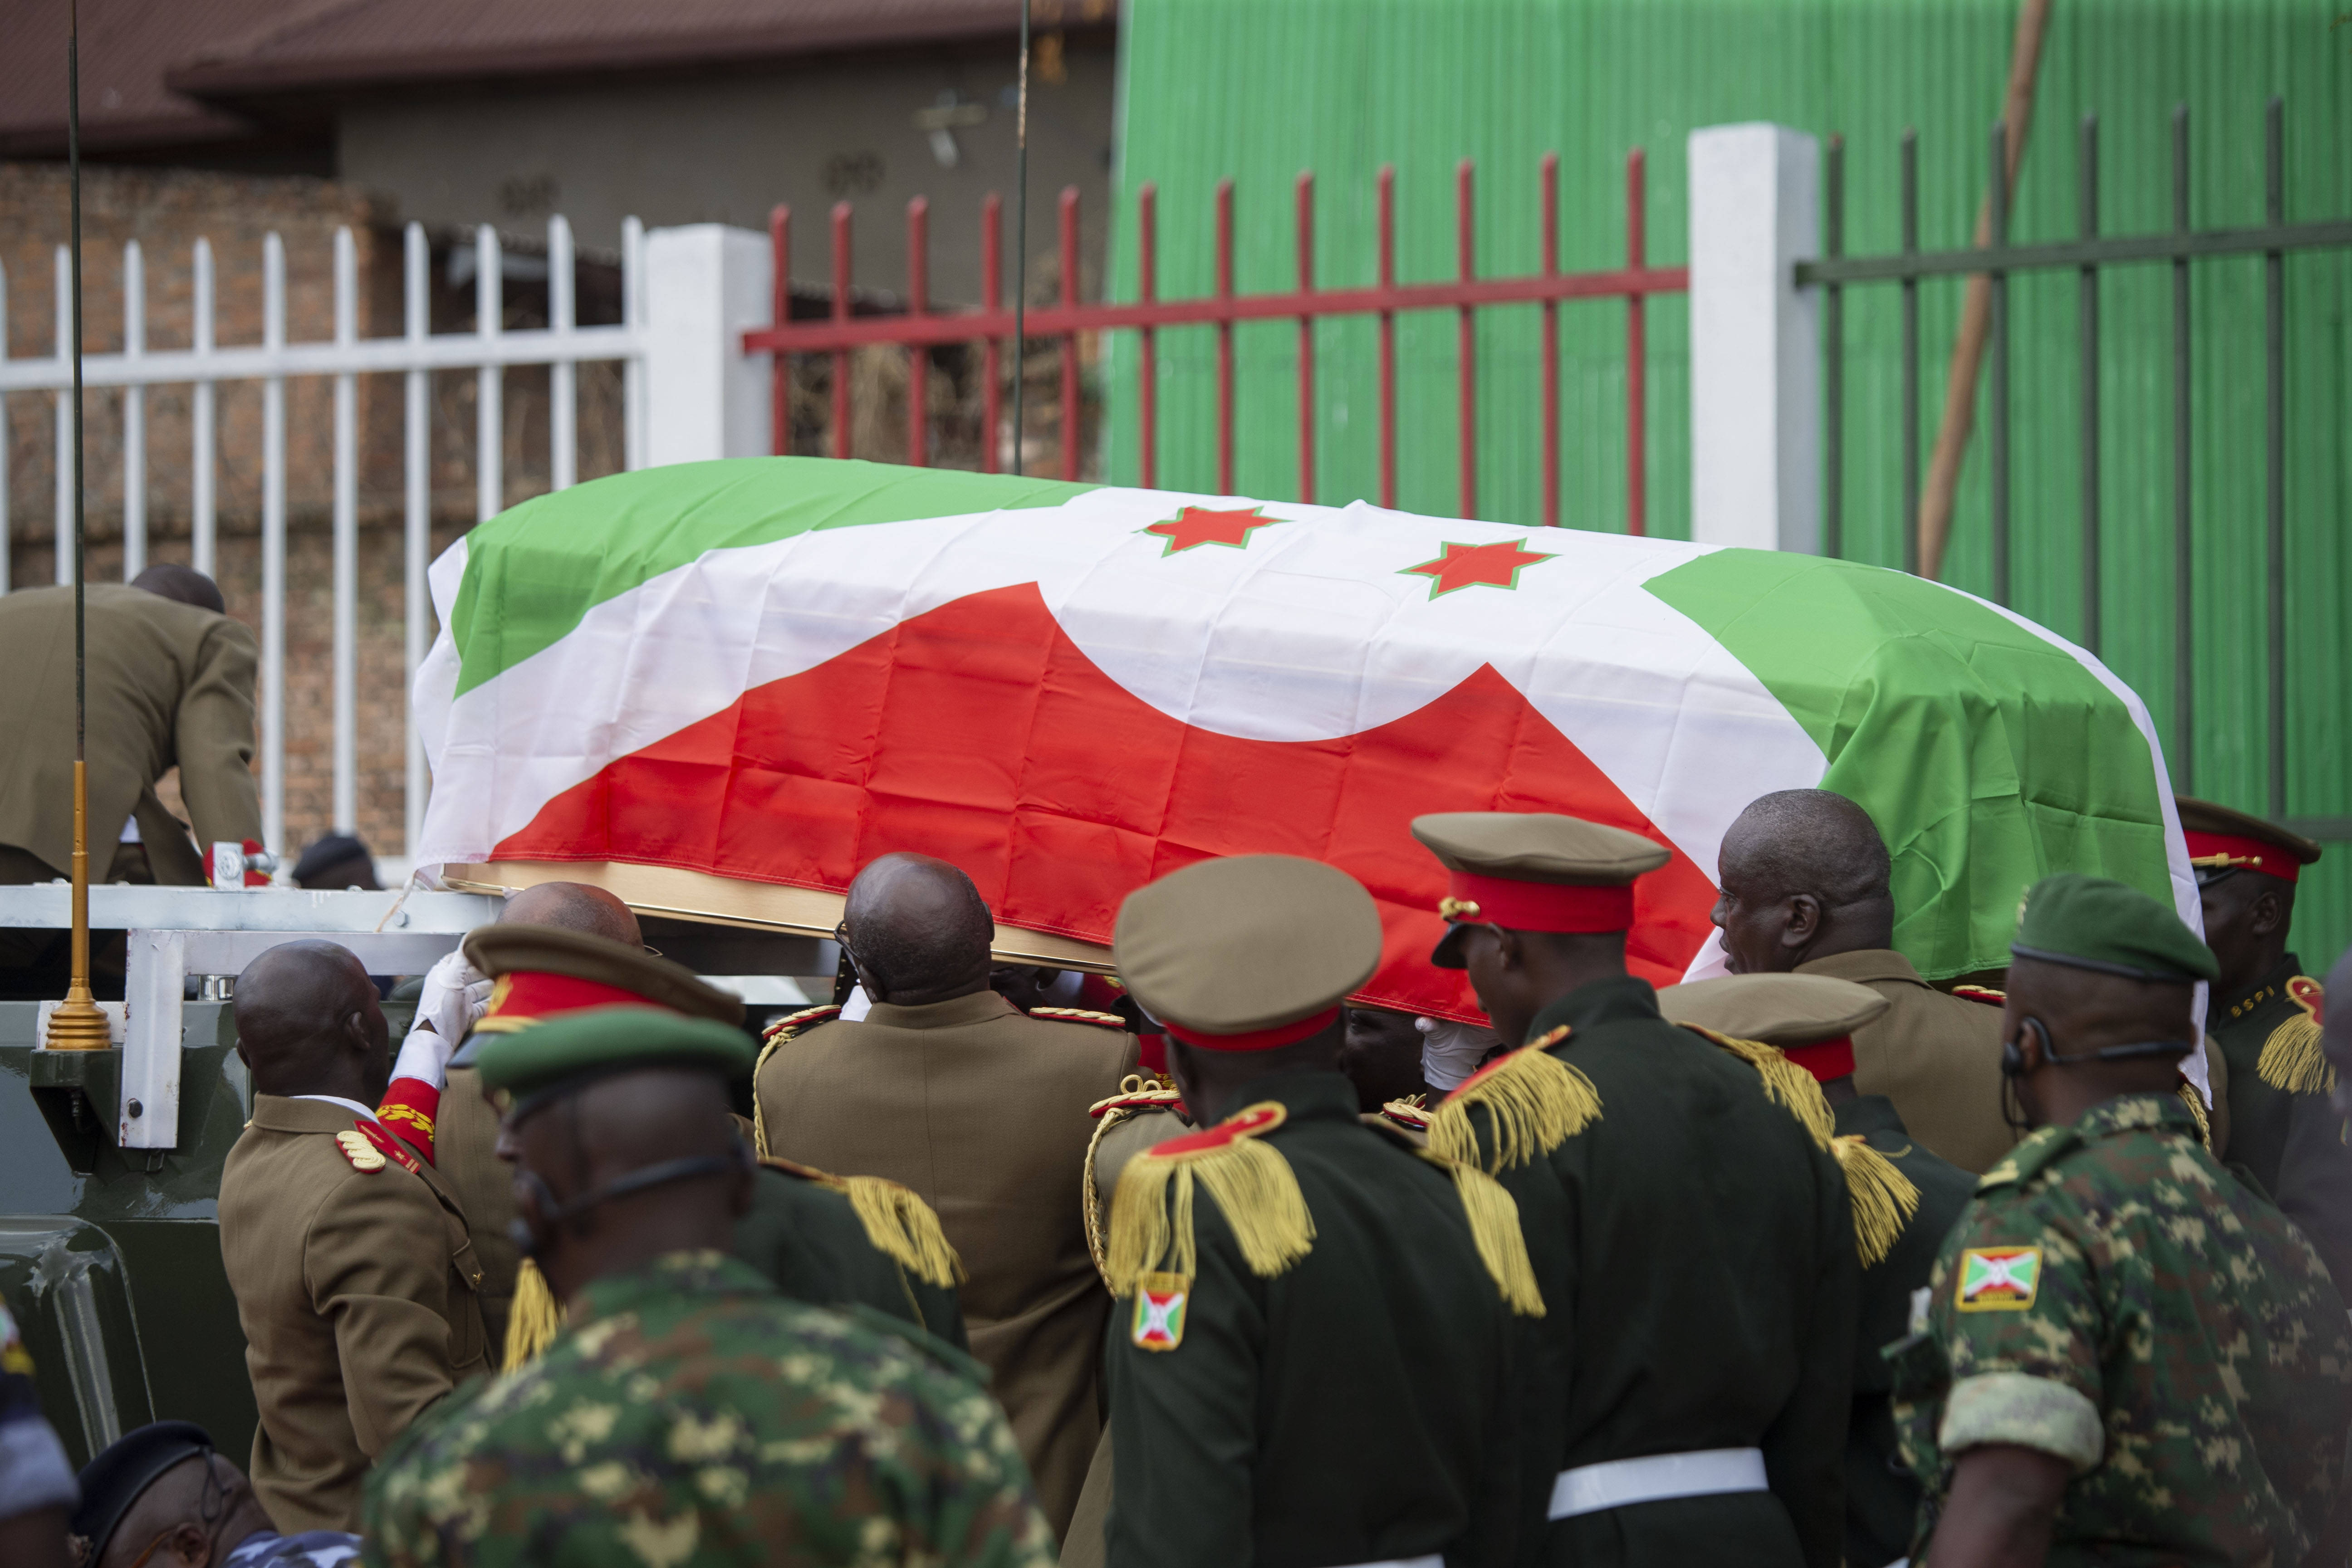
column 1090, row 1196
column 791, row 1026
column 2196, row 1104
column 2292, row 1059
column 1250, row 1181
column 1534, row 1103
column 1494, row 1216
column 533, row 1322
column 1884, row 1199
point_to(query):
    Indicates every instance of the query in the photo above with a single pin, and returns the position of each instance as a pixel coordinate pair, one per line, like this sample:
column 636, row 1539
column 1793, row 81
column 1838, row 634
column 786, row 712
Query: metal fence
column 2088, row 255
column 488, row 351
column 920, row 329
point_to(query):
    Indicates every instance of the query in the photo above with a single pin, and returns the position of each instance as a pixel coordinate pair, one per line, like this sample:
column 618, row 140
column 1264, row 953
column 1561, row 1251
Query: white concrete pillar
column 1755, row 356
column 705, row 285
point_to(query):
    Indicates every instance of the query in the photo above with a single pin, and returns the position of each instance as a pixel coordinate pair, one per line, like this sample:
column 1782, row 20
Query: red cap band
column 1825, row 1060
column 1258, row 1039
column 2253, row 854
column 525, row 997
column 1540, row 906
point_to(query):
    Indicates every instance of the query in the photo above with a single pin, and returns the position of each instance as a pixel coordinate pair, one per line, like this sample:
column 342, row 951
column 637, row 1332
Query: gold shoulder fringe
column 902, row 1226
column 2291, row 1057
column 1494, row 1216
column 533, row 1320
column 2195, row 1104
column 1883, row 1197
column 1784, row 1080
column 1251, row 1183
column 1534, row 1103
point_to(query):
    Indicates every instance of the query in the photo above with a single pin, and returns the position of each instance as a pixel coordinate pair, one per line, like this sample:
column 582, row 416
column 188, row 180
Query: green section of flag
column 1988, row 756
column 533, row 571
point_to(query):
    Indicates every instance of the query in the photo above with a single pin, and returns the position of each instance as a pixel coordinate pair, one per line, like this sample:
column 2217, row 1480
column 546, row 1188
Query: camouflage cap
column 1249, row 951
column 1534, row 870
column 2096, row 923
column 568, row 1053
column 2221, row 841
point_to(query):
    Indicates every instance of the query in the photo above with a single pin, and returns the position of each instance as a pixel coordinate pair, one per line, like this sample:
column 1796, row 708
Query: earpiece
column 2013, row 1059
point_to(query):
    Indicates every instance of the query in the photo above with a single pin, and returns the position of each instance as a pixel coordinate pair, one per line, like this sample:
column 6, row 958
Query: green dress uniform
column 806, row 1236
column 1688, row 1388
column 1308, row 1359
column 2114, row 1297
column 687, row 1416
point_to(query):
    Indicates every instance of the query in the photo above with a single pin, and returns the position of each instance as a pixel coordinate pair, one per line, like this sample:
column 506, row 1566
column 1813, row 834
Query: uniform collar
column 354, row 1106
column 1867, row 1113
column 666, row 1279
column 1599, row 1002
column 1863, row 963
column 2238, row 1003
column 2136, row 1114
column 1316, row 1094
column 303, row 1114
column 979, row 1007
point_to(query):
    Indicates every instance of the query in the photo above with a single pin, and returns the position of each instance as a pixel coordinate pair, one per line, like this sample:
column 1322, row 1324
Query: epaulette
column 1252, row 1185
column 1985, row 994
column 898, row 1222
column 1139, row 1092
column 2292, row 1059
column 1784, row 1080
column 1494, row 1216
column 1080, row 1015
column 370, row 1148
column 1409, row 1113
column 791, row 1026
column 1534, row 1103
column 2030, row 1159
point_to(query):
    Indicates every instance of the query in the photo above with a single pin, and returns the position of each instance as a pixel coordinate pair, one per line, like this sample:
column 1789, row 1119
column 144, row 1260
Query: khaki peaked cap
column 1782, row 1010
column 503, row 950
column 1246, row 943
column 1538, row 847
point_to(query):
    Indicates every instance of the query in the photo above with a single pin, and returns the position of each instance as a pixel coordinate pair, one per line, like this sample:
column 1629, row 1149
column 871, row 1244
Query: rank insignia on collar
column 363, row 1154
column 1999, row 1278
column 1159, row 1303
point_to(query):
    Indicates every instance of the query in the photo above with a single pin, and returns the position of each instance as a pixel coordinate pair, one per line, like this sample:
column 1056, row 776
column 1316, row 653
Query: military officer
column 355, row 1276
column 688, row 1415
column 1293, row 1284
column 1804, row 878
column 2126, row 1354
column 1689, row 1397
column 945, row 1088
column 2265, row 1016
column 1906, row 1200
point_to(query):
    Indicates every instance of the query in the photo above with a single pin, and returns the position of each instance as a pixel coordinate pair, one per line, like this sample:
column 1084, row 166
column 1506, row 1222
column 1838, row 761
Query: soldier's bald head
column 574, row 906
column 918, row 928
column 1809, row 841
column 302, row 1009
column 182, row 584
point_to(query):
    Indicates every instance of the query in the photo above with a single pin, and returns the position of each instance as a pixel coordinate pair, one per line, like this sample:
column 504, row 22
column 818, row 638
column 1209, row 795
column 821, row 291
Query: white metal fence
column 561, row 346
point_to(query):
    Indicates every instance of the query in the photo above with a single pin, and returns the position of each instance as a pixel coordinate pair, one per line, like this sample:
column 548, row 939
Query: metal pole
column 2274, row 442
column 1910, row 205
column 2184, row 610
column 2087, row 321
column 1833, row 370
column 78, row 1025
column 1998, row 395
column 1020, row 236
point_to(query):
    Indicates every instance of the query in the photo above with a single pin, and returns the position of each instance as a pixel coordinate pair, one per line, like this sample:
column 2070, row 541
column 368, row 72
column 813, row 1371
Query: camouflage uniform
column 2113, row 1297
column 688, row 1416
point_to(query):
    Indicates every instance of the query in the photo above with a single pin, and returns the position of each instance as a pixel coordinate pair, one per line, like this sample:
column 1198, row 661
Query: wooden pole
column 1935, row 520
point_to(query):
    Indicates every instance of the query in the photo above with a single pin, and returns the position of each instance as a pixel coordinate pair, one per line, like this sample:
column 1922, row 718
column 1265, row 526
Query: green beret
column 2096, row 923
column 568, row 1051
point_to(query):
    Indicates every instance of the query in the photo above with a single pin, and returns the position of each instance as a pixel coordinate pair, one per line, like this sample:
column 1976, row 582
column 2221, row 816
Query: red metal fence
column 921, row 327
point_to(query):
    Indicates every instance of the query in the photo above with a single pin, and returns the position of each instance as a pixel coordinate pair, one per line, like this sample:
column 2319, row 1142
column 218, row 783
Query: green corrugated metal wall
column 1260, row 92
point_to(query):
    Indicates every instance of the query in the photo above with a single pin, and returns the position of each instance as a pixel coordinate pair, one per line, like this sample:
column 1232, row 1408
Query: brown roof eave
column 244, row 82
column 162, row 130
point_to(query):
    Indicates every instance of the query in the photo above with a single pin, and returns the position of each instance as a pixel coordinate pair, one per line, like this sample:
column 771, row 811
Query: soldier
column 2265, row 1016
column 2126, row 1355
column 37, row 1493
column 1688, row 1389
column 1381, row 1056
column 1293, row 1284
column 1804, row 878
column 161, row 1495
column 945, row 1088
column 688, row 1415
column 1906, row 1200
column 354, row 1276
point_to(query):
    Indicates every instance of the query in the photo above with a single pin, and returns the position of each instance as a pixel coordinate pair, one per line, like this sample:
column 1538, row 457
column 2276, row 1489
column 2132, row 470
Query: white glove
column 456, row 996
column 425, row 1056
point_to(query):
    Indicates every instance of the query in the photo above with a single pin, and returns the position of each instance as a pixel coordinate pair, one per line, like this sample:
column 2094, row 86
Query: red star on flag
column 1496, row 565
column 1198, row 526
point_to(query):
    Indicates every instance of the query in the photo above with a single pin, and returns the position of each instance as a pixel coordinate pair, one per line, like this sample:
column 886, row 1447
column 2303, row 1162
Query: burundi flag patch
column 1159, row 1301
column 1999, row 1278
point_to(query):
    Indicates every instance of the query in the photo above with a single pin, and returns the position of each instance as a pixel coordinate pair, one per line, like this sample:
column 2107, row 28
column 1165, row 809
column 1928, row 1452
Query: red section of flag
column 979, row 732
column 1196, row 525
column 1496, row 565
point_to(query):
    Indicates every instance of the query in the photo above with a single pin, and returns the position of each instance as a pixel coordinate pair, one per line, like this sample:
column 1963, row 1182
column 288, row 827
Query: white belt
column 1654, row 1478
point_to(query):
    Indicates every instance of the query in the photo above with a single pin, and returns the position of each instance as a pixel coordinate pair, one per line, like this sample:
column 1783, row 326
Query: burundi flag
column 771, row 670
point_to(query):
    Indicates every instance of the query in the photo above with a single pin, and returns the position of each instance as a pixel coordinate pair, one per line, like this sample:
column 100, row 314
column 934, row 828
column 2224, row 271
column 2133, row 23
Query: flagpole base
column 78, row 1025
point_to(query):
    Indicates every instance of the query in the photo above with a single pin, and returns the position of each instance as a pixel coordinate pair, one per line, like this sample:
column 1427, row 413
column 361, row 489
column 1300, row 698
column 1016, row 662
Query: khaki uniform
column 465, row 1156
column 1937, row 1057
column 169, row 684
column 355, row 1289
column 982, row 1112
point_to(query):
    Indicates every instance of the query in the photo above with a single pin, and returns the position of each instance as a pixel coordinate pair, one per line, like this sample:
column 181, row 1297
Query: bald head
column 308, row 1023
column 918, row 930
column 574, row 906
column 183, row 584
column 1804, row 875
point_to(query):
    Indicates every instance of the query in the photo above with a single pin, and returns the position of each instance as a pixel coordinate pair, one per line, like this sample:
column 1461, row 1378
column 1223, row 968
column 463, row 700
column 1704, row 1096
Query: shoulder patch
column 360, row 1152
column 1080, row 1015
column 1985, row 994
column 1159, row 1301
column 1998, row 1279
column 793, row 1024
column 1408, row 1113
column 386, row 1145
